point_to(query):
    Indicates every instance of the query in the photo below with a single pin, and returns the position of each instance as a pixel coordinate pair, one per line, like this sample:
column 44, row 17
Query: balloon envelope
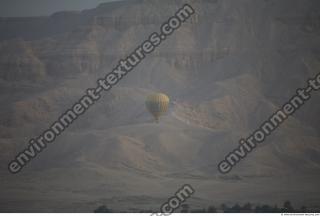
column 157, row 104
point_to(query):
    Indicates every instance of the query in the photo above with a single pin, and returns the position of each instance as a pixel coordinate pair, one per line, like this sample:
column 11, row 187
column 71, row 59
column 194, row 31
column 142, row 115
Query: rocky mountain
column 226, row 70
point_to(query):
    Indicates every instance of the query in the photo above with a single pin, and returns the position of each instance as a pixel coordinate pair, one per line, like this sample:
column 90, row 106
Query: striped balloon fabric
column 157, row 104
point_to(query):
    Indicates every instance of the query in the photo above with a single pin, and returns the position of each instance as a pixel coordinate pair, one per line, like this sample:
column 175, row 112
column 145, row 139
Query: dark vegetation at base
column 246, row 208
column 103, row 209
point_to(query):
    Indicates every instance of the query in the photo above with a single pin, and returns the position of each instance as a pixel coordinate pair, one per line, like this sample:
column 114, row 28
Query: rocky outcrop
column 18, row 62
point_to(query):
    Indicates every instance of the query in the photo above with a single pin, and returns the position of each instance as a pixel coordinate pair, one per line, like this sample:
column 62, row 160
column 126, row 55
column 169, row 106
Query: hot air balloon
column 157, row 104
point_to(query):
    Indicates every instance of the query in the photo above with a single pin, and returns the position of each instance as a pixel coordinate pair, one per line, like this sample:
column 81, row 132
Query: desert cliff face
column 226, row 70
column 19, row 62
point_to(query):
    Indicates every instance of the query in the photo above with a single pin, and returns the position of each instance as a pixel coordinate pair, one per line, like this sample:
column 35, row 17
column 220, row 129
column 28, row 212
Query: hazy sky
column 13, row 8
